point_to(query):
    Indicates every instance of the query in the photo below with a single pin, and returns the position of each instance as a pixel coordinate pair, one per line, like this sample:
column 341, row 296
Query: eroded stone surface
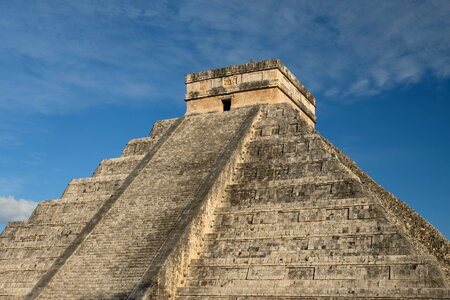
column 28, row 249
column 247, row 204
column 115, row 255
column 298, row 223
column 268, row 82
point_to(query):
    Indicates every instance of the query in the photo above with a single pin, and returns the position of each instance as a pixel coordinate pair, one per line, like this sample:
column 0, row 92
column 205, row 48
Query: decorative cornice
column 252, row 67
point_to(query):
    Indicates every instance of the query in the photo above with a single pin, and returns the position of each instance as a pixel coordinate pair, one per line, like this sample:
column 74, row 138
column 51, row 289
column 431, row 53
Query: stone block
column 300, row 273
column 266, row 272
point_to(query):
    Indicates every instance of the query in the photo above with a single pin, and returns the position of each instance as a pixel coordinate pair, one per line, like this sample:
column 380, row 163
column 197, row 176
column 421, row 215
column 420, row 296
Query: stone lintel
column 267, row 81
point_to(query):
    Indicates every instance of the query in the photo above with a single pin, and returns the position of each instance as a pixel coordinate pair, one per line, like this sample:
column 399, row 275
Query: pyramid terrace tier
column 311, row 293
column 118, row 166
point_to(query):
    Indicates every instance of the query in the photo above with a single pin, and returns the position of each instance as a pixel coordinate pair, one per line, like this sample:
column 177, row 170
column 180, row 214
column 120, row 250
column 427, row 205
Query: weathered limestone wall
column 242, row 99
column 298, row 224
column 28, row 249
column 424, row 235
column 250, row 68
column 185, row 240
column 111, row 258
column 259, row 82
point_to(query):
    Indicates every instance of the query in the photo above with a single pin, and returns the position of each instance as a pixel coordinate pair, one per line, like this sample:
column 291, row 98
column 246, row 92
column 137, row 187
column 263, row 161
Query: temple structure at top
column 264, row 82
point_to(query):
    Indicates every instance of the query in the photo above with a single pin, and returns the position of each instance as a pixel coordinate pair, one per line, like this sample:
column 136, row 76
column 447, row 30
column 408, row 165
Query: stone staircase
column 290, row 221
column 239, row 199
column 298, row 224
column 29, row 248
column 113, row 257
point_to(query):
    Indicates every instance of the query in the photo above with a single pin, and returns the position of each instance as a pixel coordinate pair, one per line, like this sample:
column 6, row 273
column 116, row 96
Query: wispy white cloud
column 71, row 56
column 12, row 209
column 353, row 48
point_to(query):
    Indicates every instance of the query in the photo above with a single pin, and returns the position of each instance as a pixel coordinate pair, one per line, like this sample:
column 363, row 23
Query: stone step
column 355, row 293
column 301, row 165
column 85, row 199
column 303, row 255
column 138, row 146
column 287, row 151
column 279, row 146
column 363, row 244
column 339, row 271
column 66, row 212
column 322, row 228
column 257, row 138
column 257, row 283
column 117, row 166
column 306, row 137
column 36, row 264
column 274, row 170
column 293, row 217
column 280, row 127
column 313, row 136
column 29, row 232
column 292, row 206
column 9, row 297
column 289, row 118
column 293, row 191
column 23, row 278
column 323, row 179
column 10, row 229
column 315, row 260
column 282, row 112
column 297, row 256
column 41, row 241
column 301, row 159
column 29, row 253
column 94, row 185
column 301, row 147
column 313, row 241
column 13, row 293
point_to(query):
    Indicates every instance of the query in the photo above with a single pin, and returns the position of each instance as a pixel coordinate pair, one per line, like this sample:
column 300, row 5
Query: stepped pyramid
column 240, row 199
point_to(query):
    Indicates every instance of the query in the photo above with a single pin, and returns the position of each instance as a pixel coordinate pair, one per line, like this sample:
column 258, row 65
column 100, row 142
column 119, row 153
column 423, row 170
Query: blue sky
column 80, row 78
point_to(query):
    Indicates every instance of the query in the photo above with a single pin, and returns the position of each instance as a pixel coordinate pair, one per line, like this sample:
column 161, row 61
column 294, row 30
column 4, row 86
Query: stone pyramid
column 239, row 199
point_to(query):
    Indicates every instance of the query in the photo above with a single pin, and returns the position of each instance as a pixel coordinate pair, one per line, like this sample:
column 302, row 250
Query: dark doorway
column 226, row 104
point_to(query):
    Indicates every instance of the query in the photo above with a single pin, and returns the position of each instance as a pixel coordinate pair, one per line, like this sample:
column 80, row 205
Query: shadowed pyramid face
column 240, row 199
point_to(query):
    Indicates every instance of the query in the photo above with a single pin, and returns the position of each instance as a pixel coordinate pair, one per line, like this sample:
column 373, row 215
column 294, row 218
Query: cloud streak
column 63, row 58
column 12, row 209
